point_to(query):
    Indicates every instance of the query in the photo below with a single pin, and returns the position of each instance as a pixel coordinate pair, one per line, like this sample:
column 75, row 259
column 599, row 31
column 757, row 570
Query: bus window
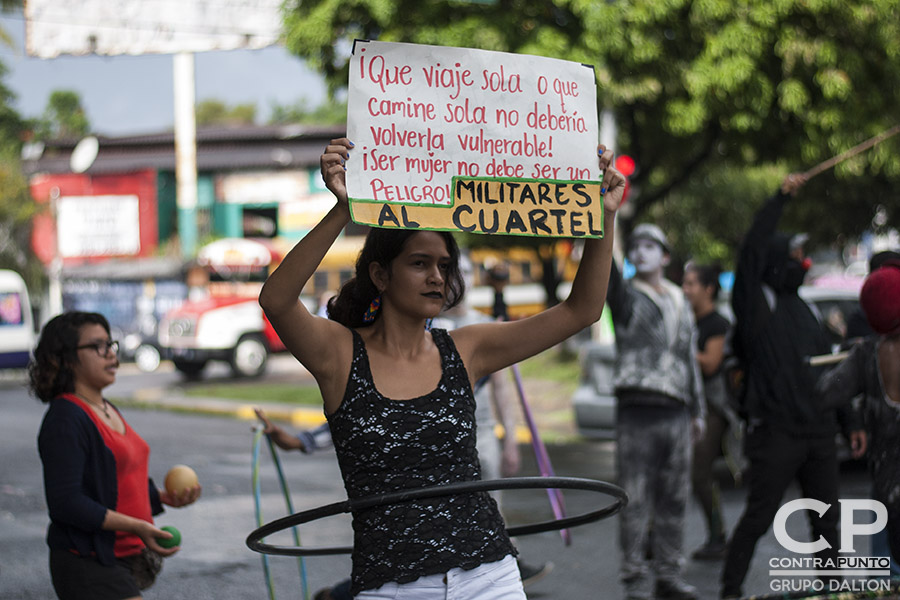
column 320, row 281
column 11, row 309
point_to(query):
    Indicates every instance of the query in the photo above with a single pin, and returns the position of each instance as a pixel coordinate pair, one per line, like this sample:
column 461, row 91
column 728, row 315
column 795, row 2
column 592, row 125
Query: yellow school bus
column 524, row 294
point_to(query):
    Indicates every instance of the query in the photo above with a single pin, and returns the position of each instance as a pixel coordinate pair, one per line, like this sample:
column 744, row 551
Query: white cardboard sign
column 420, row 115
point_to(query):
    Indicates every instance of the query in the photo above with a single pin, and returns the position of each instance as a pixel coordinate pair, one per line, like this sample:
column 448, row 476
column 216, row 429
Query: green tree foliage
column 321, row 31
column 215, row 112
column 695, row 86
column 12, row 125
column 328, row 113
column 706, row 219
column 64, row 117
column 17, row 209
column 702, row 86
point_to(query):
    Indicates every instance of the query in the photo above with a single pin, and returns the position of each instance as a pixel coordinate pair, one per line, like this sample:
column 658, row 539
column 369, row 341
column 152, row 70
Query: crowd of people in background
column 405, row 312
column 677, row 413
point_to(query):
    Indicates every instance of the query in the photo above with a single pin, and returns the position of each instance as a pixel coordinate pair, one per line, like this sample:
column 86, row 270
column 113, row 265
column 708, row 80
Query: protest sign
column 469, row 140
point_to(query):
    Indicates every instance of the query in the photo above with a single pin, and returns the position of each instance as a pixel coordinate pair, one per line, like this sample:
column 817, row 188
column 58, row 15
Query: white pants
column 498, row 580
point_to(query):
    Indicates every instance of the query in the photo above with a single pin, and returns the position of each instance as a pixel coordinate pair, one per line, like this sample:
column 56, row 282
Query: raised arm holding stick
column 789, row 436
column 847, row 154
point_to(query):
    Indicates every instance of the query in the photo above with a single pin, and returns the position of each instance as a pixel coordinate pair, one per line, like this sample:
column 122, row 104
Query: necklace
column 104, row 406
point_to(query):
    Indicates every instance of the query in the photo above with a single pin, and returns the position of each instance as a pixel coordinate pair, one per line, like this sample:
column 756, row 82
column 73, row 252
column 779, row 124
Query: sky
column 125, row 95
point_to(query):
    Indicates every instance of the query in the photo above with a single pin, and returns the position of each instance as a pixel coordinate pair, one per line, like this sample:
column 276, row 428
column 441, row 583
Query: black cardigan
column 79, row 482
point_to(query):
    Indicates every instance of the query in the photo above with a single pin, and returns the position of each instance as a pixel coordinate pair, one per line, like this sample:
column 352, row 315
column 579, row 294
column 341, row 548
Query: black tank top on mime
column 385, row 445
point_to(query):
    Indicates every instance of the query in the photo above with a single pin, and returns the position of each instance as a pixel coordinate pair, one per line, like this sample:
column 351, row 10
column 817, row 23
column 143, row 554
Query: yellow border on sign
column 431, row 217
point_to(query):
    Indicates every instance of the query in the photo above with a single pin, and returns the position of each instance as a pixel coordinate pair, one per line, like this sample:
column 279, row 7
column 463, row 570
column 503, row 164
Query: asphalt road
column 215, row 563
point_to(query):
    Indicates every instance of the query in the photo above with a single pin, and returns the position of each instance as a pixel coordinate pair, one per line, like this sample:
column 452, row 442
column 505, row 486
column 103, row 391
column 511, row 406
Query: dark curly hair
column 50, row 371
column 382, row 246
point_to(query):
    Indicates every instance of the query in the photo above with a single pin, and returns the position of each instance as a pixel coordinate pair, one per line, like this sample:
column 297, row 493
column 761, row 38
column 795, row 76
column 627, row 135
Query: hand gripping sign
column 457, row 139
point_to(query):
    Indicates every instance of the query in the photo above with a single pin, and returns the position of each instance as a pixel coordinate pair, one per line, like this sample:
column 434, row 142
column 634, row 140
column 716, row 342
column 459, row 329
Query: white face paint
column 647, row 257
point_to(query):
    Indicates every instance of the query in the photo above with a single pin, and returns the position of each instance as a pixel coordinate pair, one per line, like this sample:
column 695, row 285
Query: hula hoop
column 257, row 439
column 557, row 502
column 254, row 540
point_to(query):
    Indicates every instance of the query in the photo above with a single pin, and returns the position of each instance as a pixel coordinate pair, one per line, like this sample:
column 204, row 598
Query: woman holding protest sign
column 399, row 397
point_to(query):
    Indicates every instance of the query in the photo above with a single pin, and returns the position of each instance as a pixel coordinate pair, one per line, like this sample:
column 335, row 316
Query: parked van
column 17, row 337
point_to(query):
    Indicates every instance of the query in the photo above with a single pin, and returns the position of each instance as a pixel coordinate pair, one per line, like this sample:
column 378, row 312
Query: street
column 214, row 561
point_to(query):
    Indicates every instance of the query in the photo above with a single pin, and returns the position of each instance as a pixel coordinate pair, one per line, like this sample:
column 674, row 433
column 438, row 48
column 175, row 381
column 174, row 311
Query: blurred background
column 157, row 160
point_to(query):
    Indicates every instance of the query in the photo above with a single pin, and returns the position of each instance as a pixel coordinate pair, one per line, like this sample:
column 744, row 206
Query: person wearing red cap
column 857, row 324
column 880, row 299
column 873, row 370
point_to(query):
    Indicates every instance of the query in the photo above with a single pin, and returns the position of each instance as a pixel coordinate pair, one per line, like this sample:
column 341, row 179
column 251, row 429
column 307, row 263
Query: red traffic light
column 625, row 165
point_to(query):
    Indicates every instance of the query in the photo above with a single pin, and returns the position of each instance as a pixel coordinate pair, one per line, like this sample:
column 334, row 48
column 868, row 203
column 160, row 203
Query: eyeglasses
column 101, row 348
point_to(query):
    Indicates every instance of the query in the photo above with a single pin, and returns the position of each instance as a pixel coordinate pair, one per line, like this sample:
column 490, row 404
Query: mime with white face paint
column 659, row 393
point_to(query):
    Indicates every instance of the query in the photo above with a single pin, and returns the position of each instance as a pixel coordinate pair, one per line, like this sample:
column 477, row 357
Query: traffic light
column 626, row 166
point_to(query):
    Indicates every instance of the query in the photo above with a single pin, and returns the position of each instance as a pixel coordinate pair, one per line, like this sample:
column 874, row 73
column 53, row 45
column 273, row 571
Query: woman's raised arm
column 304, row 334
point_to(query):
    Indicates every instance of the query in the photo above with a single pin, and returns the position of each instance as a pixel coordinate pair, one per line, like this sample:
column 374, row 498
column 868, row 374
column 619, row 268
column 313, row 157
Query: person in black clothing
column 872, row 370
column 858, row 331
column 788, row 434
column 701, row 288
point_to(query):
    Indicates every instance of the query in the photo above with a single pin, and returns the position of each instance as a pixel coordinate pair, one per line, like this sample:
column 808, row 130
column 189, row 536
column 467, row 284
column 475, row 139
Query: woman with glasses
column 101, row 500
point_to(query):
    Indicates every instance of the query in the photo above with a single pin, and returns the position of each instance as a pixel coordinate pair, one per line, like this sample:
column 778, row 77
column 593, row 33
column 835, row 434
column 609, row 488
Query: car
column 594, row 400
column 834, row 307
column 143, row 350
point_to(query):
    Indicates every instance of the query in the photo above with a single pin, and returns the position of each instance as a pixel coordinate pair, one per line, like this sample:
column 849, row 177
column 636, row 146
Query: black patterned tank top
column 386, row 445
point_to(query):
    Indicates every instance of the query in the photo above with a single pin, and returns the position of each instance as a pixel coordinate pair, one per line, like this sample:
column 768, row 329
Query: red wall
column 141, row 183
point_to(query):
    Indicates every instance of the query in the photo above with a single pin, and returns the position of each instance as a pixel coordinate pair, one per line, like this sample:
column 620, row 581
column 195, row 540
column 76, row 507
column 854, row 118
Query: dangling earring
column 372, row 311
column 428, row 323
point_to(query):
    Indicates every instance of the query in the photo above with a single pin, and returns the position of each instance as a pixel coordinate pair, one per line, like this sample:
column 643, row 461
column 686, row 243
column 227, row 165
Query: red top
column 132, row 456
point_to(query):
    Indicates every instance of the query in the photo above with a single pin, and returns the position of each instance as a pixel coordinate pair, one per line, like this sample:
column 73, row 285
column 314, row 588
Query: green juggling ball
column 171, row 542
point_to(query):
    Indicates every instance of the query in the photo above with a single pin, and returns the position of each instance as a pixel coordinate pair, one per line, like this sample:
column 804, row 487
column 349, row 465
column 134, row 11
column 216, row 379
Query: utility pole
column 185, row 153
